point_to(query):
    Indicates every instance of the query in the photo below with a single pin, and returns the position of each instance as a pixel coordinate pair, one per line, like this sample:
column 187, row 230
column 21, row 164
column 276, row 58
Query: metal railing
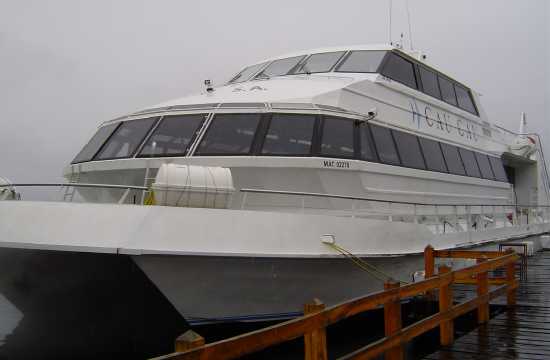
column 121, row 200
column 439, row 217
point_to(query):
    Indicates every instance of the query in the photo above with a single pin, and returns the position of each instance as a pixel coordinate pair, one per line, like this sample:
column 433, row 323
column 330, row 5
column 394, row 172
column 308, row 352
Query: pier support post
column 482, row 289
column 189, row 340
column 315, row 342
column 510, row 281
column 446, row 329
column 392, row 321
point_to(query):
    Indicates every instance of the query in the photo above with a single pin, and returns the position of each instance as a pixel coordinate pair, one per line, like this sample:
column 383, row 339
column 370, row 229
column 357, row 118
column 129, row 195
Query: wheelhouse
column 393, row 64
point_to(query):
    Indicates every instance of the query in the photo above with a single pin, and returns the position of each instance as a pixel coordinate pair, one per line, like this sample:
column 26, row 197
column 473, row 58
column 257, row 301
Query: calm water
column 10, row 317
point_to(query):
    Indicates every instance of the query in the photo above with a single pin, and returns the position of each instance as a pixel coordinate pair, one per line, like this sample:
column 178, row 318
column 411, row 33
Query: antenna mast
column 409, row 20
column 389, row 32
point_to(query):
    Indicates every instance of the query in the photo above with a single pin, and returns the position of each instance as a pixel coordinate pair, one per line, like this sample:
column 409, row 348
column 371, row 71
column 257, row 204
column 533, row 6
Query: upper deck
column 378, row 86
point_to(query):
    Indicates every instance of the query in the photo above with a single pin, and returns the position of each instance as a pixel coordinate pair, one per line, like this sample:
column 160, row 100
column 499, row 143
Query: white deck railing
column 439, row 217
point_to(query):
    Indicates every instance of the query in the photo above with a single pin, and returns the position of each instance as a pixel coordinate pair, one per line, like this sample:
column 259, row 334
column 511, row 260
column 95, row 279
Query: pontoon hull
column 212, row 288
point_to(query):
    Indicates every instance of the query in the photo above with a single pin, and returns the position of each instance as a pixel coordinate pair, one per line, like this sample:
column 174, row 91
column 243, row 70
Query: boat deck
column 522, row 332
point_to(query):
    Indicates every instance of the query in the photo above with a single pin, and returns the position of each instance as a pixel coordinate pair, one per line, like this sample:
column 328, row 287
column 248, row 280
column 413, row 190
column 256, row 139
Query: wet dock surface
column 522, row 332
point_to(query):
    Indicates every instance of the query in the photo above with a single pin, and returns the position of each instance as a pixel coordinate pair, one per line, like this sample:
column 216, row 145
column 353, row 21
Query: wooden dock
column 520, row 332
column 492, row 277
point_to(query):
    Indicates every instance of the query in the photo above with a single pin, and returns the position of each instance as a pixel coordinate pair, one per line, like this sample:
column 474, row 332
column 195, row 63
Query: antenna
column 389, row 32
column 409, row 20
column 522, row 124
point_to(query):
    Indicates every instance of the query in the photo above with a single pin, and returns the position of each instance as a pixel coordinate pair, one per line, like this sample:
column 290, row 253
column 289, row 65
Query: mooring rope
column 362, row 264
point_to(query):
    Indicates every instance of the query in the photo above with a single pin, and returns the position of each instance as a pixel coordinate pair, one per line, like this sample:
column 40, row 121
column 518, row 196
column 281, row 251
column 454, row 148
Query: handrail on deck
column 312, row 326
column 84, row 185
column 347, row 197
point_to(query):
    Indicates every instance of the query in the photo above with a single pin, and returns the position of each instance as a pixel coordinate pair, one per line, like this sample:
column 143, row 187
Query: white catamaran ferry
column 246, row 201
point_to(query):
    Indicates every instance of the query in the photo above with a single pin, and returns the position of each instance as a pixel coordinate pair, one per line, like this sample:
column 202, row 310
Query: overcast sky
column 68, row 65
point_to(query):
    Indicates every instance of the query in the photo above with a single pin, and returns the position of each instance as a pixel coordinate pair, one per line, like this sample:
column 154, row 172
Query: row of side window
column 420, row 77
column 279, row 134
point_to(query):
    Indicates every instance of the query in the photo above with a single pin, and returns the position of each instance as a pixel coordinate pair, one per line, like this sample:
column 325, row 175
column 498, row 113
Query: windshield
column 126, row 139
column 319, row 63
column 246, row 73
column 280, row 67
column 92, row 147
column 363, row 61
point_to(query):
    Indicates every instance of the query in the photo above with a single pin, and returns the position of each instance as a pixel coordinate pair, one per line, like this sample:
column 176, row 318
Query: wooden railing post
column 429, row 265
column 510, row 281
column 446, row 329
column 189, row 340
column 482, row 289
column 315, row 342
column 429, row 261
column 392, row 321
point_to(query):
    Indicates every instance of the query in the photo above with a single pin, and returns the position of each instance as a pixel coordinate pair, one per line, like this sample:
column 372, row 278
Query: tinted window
column 246, row 73
column 280, row 67
column 447, row 91
column 337, row 137
column 498, row 169
column 229, row 134
column 366, row 145
column 319, row 63
column 429, row 82
column 433, row 155
column 91, row 148
column 484, row 166
column 452, row 158
column 464, row 99
column 470, row 163
column 125, row 140
column 400, row 70
column 289, row 134
column 409, row 150
column 362, row 61
column 384, row 145
column 173, row 135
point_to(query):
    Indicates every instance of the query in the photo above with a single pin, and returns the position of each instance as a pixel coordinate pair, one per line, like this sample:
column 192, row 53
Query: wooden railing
column 312, row 326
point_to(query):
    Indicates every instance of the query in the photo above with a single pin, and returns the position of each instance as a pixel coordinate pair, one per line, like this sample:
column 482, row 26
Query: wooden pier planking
column 522, row 332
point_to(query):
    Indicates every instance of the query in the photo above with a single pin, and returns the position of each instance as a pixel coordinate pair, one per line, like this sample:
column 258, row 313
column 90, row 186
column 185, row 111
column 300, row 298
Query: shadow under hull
column 68, row 305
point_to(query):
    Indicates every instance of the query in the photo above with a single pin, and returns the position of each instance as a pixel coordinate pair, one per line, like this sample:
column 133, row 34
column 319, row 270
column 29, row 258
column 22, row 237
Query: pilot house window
column 464, row 99
column 279, row 67
column 429, row 82
column 317, row 63
column 447, row 91
column 289, row 134
column 229, row 134
column 364, row 61
column 401, row 70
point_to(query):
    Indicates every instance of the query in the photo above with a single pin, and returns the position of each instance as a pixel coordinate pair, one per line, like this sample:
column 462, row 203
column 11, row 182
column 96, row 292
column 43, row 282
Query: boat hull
column 216, row 288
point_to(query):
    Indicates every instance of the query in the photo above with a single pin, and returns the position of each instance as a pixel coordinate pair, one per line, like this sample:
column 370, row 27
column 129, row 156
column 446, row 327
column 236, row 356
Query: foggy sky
column 66, row 66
